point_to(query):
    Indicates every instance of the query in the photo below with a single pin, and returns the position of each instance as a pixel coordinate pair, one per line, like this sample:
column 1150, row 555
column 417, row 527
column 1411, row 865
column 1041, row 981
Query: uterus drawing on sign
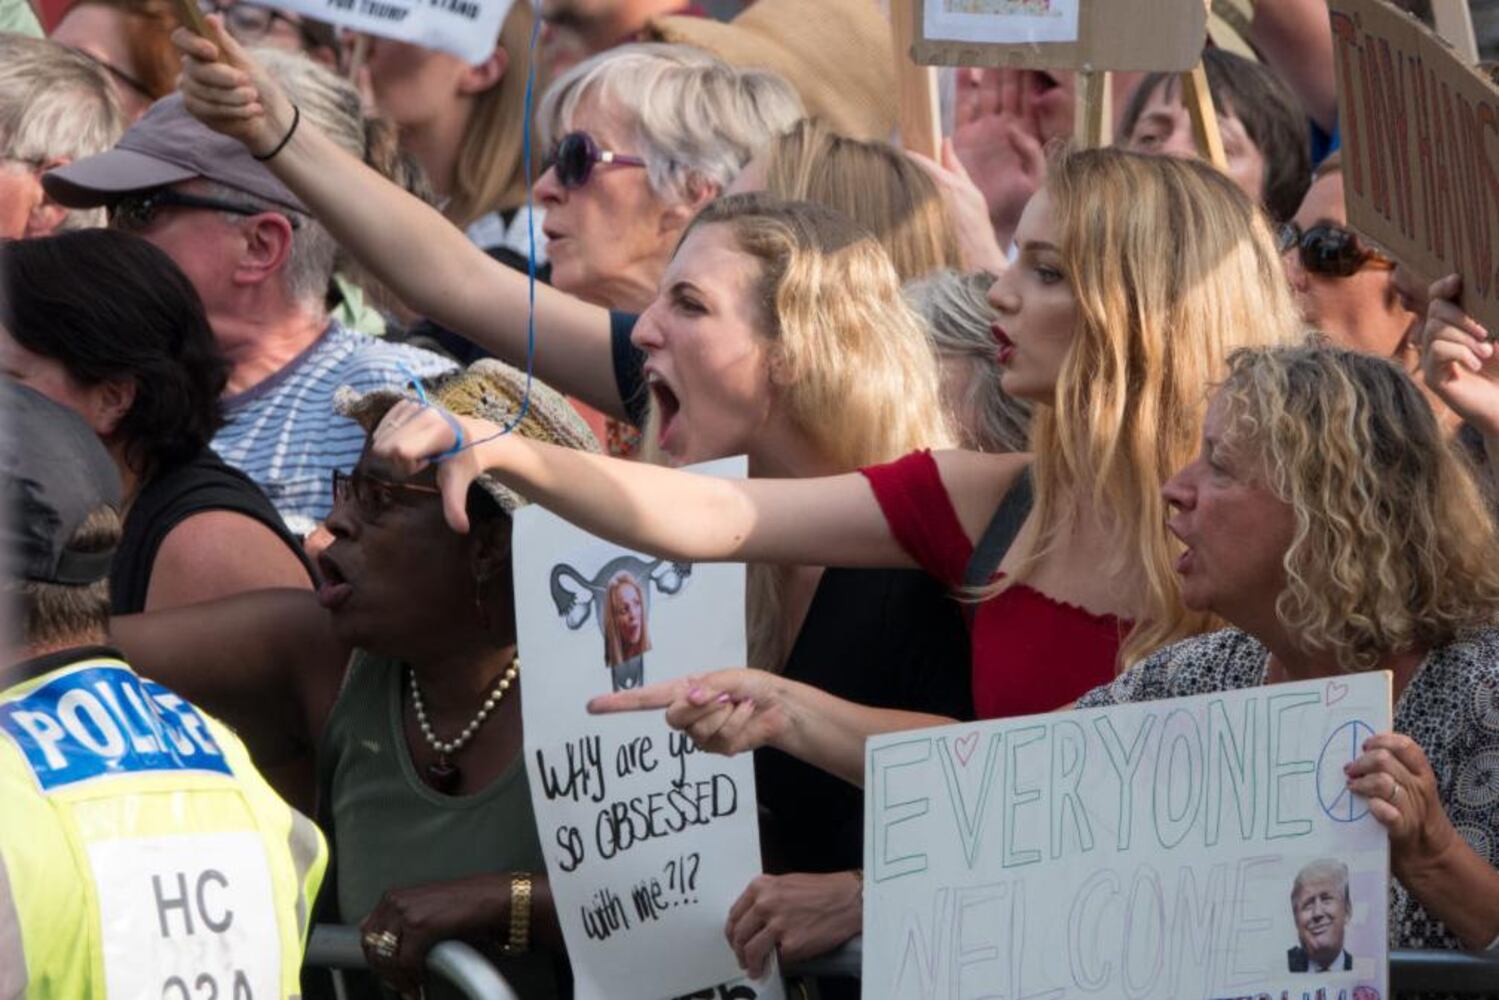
column 618, row 598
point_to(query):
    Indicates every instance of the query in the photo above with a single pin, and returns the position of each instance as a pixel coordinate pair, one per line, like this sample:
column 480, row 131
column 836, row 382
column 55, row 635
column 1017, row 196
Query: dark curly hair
column 109, row 305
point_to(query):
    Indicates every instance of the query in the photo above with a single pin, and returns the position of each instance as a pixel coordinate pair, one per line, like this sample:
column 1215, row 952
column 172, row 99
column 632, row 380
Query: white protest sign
column 1144, row 850
column 466, row 28
column 648, row 841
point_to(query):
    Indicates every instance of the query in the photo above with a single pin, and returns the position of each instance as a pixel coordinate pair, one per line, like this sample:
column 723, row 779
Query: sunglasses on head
column 136, row 211
column 1331, row 250
column 575, row 154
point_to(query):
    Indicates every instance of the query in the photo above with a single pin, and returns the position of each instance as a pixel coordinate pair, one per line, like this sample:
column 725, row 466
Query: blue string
column 525, row 405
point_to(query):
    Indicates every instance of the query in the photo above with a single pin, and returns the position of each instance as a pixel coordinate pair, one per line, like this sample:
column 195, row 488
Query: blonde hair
column 615, row 649
column 697, row 119
column 1394, row 547
column 490, row 174
column 1172, row 268
column 856, row 374
column 959, row 320
column 872, row 183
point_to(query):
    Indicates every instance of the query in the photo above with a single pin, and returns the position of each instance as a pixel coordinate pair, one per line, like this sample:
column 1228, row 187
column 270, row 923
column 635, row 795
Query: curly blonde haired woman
column 1330, row 524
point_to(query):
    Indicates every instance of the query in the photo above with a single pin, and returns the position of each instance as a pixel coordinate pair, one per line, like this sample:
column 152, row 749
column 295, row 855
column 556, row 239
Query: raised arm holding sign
column 1421, row 140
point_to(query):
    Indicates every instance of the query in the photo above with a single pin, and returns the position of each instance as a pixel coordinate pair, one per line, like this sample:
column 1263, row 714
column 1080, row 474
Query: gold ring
column 383, row 943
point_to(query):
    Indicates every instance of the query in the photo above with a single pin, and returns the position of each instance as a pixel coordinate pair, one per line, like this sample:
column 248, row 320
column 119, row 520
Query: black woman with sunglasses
column 1344, row 287
column 404, row 676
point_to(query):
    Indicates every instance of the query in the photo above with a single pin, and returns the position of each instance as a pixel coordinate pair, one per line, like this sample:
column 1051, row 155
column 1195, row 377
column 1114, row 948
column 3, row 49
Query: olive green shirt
column 390, row 830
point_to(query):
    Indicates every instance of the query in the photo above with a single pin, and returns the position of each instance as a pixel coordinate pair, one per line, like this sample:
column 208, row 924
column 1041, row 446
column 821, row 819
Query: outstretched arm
column 669, row 513
column 408, row 245
column 832, row 521
column 732, row 711
column 243, row 658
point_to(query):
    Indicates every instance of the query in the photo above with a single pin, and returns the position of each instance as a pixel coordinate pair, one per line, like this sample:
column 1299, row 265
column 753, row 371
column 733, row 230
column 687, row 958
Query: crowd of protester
column 1028, row 428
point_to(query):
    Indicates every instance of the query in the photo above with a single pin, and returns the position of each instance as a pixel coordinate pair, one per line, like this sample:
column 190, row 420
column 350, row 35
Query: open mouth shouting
column 668, row 407
column 335, row 590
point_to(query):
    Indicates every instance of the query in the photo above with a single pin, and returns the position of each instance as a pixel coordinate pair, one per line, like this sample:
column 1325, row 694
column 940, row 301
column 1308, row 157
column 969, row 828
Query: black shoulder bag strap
column 998, row 536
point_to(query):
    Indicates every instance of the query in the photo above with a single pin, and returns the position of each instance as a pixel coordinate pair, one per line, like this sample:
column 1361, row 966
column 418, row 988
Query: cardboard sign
column 1145, row 850
column 1165, row 35
column 648, row 841
column 466, row 28
column 1420, row 149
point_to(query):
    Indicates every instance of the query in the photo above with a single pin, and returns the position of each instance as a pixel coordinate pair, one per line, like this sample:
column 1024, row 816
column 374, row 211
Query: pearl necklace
column 443, row 775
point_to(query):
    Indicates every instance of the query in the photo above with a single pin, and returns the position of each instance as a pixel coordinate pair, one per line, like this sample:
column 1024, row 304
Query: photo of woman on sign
column 626, row 635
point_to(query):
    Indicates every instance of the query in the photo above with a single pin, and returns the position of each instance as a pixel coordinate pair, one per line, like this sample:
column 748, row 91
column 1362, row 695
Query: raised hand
column 997, row 136
column 1458, row 359
column 726, row 712
column 230, row 92
column 414, row 435
column 967, row 209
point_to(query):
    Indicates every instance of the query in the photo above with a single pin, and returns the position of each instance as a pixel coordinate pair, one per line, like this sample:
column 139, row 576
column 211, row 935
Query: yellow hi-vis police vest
column 141, row 853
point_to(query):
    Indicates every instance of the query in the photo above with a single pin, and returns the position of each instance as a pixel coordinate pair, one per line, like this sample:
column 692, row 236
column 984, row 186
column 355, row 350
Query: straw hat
column 837, row 54
column 487, row 390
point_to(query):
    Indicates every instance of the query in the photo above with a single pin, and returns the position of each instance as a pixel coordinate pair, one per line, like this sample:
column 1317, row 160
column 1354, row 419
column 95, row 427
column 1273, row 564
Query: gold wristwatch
column 519, row 941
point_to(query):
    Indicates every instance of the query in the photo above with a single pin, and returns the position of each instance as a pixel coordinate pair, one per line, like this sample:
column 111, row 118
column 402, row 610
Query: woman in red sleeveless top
column 1136, row 277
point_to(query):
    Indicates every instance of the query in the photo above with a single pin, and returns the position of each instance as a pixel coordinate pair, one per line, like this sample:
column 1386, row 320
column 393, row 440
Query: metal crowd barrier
column 1410, row 971
column 337, row 947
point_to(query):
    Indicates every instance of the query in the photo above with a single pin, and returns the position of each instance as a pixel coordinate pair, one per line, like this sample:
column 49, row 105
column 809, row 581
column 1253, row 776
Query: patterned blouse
column 1450, row 707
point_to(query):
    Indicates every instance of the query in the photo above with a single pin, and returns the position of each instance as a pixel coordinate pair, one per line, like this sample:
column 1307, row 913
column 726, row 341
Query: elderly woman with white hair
column 640, row 138
column 645, row 136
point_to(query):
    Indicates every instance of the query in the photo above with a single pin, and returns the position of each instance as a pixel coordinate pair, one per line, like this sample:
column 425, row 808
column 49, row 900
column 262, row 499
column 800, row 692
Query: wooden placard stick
column 1199, row 101
column 1454, row 22
column 191, row 17
column 1093, row 121
column 920, row 117
column 358, row 53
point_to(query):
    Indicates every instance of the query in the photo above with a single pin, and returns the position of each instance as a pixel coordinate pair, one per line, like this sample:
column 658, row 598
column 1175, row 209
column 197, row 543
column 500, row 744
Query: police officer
column 141, row 853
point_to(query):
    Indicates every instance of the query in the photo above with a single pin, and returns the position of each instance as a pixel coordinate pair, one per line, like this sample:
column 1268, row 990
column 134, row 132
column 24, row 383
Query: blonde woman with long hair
column 1136, row 278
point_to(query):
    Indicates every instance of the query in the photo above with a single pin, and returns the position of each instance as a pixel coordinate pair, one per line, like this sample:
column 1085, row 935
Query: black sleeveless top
column 171, row 497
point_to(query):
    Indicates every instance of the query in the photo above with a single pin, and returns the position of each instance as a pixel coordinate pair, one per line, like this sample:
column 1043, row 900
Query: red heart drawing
column 1335, row 693
column 966, row 746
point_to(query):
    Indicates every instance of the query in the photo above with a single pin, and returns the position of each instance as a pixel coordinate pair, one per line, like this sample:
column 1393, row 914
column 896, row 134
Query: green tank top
column 390, row 830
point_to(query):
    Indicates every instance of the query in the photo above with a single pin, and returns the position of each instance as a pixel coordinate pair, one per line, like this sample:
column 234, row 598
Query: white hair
column 958, row 320
column 55, row 104
column 697, row 119
column 1323, row 868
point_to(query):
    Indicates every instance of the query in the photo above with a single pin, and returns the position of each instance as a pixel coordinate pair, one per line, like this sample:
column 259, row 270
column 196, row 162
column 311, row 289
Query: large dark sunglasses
column 575, row 154
column 371, row 495
column 135, row 212
column 1331, row 250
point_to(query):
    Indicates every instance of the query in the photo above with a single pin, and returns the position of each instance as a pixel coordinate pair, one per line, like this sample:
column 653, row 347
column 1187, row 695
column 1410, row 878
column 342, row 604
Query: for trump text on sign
column 1421, row 149
column 466, row 28
column 1145, row 850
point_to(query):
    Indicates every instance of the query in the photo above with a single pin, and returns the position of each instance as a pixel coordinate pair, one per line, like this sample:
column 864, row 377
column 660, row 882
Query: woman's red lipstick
column 1006, row 345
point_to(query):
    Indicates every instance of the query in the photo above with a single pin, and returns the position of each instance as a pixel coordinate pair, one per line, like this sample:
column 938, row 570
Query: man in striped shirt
column 262, row 267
